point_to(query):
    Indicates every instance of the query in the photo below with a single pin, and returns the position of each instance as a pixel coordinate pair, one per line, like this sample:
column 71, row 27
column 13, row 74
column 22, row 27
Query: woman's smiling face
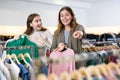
column 65, row 17
column 36, row 23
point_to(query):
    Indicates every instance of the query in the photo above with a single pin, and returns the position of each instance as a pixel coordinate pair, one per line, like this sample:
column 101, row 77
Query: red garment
column 108, row 58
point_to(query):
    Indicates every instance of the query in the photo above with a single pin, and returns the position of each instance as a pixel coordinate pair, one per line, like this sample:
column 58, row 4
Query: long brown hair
column 73, row 23
column 29, row 29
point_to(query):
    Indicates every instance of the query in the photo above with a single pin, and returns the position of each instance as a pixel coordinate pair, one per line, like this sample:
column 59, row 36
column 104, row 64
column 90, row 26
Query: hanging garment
column 13, row 69
column 23, row 41
column 61, row 67
column 31, row 70
column 24, row 73
column 4, row 70
column 2, row 76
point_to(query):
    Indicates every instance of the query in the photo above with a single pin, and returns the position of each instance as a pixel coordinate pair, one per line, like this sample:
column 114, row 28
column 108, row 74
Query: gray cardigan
column 75, row 44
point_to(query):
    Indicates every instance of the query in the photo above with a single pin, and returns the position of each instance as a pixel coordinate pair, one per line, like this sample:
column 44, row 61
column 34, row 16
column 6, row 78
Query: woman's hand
column 38, row 39
column 60, row 47
column 78, row 34
column 16, row 37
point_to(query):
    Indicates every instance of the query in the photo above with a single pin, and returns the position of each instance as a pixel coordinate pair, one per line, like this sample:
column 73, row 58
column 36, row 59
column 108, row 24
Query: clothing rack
column 81, row 57
column 18, row 48
column 104, row 42
column 76, row 57
column 15, row 47
column 110, row 41
column 17, row 71
column 2, row 42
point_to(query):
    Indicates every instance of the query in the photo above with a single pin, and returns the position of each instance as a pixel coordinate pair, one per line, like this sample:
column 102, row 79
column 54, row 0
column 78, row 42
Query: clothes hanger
column 97, row 72
column 108, row 69
column 65, row 76
column 15, row 57
column 84, row 50
column 8, row 56
column 101, row 69
column 88, row 49
column 75, row 75
column 98, row 48
column 41, row 77
column 118, row 64
column 28, row 55
column 19, row 36
column 52, row 77
column 93, row 71
column 83, row 71
column 116, row 47
column 46, row 42
column 22, row 57
column 93, row 49
column 114, row 66
column 110, row 47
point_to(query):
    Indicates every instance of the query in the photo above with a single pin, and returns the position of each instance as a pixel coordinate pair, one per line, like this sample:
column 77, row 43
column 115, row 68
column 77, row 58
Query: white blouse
column 35, row 37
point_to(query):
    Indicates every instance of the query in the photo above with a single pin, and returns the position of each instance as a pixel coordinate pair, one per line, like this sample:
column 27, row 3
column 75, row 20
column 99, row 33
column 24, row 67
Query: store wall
column 101, row 15
column 105, row 13
column 15, row 12
column 104, row 16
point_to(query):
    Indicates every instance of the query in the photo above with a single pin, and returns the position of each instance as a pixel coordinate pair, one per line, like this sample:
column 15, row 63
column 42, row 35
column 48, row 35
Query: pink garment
column 61, row 67
column 108, row 77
